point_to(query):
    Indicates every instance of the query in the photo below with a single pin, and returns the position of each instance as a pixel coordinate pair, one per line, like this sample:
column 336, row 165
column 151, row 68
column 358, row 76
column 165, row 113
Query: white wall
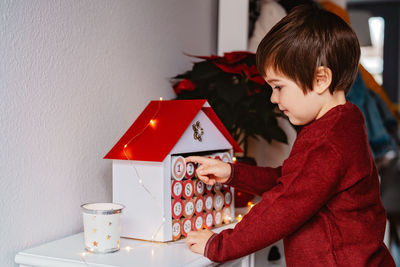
column 74, row 75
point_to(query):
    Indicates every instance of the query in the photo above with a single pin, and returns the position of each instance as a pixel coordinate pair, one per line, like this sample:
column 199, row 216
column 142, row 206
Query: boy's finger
column 197, row 159
column 192, row 234
column 203, row 178
column 194, row 248
column 192, row 238
column 206, row 179
column 189, row 241
column 206, row 170
column 209, row 181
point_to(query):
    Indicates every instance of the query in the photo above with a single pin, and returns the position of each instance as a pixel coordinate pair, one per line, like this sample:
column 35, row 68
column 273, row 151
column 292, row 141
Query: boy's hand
column 197, row 240
column 211, row 171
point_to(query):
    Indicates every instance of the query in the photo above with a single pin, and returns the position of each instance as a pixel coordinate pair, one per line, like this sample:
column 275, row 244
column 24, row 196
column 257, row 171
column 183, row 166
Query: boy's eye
column 278, row 87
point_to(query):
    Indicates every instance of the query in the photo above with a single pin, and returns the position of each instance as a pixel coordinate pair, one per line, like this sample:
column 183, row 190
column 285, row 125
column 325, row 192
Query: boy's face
column 299, row 108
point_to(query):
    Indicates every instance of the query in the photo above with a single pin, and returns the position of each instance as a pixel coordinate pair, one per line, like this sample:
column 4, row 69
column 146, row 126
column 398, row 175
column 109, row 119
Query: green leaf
column 204, row 70
column 185, row 75
column 230, row 93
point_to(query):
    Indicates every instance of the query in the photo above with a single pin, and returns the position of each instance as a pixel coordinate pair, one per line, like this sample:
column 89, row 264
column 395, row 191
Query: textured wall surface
column 74, row 75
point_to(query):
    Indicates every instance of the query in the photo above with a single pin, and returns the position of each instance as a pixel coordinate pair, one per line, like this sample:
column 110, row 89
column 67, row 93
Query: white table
column 70, row 251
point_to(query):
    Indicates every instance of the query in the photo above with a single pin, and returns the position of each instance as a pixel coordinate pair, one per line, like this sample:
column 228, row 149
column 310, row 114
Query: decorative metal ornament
column 197, row 131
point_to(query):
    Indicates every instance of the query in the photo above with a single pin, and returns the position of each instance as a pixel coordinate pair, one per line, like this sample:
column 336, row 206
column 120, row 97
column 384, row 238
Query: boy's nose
column 274, row 97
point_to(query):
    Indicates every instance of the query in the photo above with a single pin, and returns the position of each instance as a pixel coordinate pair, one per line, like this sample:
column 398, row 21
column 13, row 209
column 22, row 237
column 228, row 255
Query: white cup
column 102, row 226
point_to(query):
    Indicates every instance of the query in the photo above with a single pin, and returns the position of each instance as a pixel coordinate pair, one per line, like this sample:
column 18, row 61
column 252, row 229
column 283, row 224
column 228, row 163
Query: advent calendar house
column 163, row 199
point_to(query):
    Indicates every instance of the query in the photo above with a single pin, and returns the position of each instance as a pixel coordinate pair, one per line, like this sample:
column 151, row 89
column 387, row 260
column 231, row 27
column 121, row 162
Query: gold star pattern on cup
column 108, row 237
column 95, row 243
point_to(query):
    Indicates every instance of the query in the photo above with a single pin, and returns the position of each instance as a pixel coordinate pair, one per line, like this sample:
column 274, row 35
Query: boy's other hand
column 211, row 171
column 197, row 240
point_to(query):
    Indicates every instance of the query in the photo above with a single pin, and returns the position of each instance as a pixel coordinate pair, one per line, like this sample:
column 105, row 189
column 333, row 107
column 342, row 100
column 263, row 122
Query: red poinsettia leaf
column 237, row 69
column 253, row 70
column 234, row 57
column 184, row 85
column 257, row 79
column 253, row 75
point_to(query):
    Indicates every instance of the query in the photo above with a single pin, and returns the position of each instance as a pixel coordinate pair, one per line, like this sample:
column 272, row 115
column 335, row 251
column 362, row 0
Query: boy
column 324, row 200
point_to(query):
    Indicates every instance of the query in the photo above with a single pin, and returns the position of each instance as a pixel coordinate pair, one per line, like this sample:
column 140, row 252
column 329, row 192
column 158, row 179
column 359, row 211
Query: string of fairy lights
column 152, row 122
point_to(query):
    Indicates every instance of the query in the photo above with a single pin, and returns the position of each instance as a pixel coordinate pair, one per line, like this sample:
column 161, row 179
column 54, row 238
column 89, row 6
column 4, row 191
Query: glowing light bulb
column 160, row 98
column 239, row 217
column 234, row 159
column 227, row 219
column 83, row 254
column 250, row 204
column 140, row 181
column 152, row 122
column 125, row 145
column 128, row 248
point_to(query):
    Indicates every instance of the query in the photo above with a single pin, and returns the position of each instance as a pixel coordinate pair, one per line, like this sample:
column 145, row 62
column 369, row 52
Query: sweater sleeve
column 253, row 179
column 309, row 179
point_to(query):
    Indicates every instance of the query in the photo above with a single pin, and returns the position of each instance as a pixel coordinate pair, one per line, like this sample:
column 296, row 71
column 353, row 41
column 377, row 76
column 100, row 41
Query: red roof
column 159, row 127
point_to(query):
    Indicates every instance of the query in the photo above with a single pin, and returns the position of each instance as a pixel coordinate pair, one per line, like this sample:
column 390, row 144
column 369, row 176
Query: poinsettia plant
column 237, row 93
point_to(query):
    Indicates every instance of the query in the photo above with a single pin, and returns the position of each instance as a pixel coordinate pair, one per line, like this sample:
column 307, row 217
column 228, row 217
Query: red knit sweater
column 324, row 201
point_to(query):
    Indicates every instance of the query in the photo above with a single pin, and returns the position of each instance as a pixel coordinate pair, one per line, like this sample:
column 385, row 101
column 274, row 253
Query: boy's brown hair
column 309, row 37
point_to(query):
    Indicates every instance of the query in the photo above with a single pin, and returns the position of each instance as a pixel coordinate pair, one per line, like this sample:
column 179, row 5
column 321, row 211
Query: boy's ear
column 322, row 79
